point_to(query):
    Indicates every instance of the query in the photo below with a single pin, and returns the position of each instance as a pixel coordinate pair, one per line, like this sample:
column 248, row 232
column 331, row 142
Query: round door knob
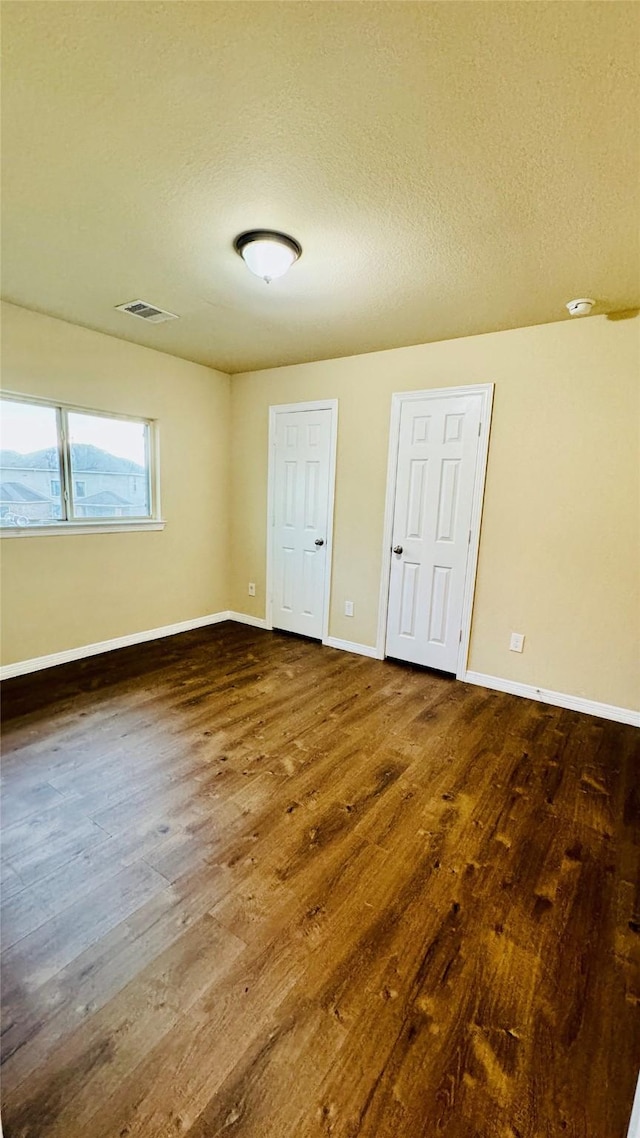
column 319, row 541
column 397, row 549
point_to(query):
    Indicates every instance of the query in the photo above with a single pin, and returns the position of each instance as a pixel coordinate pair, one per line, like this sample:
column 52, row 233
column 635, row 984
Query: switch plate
column 348, row 608
column 516, row 644
column 252, row 588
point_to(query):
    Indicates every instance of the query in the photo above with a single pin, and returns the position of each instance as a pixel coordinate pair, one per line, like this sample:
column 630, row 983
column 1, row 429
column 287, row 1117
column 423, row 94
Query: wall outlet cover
column 348, row 608
column 252, row 589
column 516, row 644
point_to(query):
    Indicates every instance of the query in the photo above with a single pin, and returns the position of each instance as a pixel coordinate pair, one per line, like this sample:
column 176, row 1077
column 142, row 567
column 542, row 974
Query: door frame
column 485, row 390
column 280, row 409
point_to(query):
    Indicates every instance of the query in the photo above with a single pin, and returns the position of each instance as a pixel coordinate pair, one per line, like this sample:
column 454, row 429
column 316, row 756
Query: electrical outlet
column 516, row 644
column 348, row 608
column 252, row 588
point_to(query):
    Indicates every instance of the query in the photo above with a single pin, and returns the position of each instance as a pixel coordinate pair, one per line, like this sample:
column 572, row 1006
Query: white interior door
column 302, row 492
column 436, row 471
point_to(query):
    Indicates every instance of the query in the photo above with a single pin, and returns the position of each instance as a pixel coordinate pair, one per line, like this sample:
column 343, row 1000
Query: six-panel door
column 300, row 516
column 438, row 444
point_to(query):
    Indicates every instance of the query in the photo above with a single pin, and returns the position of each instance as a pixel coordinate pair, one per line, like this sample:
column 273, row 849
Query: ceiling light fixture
column 267, row 253
column 581, row 307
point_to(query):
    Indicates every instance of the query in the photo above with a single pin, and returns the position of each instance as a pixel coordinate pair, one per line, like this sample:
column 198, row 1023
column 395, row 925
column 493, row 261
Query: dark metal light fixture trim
column 244, row 239
column 267, row 253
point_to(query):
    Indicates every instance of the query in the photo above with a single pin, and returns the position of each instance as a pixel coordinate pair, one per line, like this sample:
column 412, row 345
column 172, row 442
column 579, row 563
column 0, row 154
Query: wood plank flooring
column 256, row 888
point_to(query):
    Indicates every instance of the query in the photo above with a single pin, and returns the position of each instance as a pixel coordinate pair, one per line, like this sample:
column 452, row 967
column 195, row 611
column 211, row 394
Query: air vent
column 147, row 312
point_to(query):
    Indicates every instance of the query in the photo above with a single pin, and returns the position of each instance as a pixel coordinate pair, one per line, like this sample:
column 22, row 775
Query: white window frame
column 72, row 525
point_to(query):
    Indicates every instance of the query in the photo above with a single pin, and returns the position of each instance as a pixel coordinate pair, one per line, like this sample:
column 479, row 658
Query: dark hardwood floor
column 256, row 888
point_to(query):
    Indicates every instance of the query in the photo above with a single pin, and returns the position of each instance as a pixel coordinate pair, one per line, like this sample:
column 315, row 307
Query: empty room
column 320, row 542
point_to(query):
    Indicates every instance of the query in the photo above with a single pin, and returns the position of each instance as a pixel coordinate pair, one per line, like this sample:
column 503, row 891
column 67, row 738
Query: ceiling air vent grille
column 147, row 312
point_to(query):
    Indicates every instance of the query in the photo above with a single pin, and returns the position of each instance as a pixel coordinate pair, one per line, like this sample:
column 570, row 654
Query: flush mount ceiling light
column 267, row 253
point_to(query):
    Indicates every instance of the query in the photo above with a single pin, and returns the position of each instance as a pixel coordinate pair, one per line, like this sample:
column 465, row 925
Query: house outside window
column 66, row 465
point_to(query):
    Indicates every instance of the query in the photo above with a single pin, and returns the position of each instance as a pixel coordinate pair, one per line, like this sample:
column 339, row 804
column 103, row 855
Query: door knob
column 397, row 549
column 319, row 541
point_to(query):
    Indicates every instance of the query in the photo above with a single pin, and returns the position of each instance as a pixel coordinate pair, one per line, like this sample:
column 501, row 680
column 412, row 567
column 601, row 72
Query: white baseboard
column 22, row 667
column 351, row 646
column 558, row 699
column 244, row 618
column 496, row 683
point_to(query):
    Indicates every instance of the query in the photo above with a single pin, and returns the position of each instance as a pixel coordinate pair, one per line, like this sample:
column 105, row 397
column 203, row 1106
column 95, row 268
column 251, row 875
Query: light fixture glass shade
column 268, row 255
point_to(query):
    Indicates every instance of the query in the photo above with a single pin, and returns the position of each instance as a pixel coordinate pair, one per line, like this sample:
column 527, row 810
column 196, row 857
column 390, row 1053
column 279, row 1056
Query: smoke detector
column 580, row 307
column 147, row 312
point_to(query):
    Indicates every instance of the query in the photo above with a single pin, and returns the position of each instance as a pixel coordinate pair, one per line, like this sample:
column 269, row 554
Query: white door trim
column 280, row 409
column 485, row 390
column 634, row 1121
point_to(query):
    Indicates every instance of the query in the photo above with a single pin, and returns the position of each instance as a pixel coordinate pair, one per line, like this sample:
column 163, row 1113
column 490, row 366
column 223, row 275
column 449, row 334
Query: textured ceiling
column 449, row 168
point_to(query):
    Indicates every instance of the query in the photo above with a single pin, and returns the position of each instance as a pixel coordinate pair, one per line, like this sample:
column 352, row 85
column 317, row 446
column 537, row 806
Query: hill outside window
column 75, row 470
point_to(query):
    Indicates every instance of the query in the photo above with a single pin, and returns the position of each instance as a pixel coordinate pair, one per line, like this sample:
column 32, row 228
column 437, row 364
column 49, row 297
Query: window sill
column 81, row 528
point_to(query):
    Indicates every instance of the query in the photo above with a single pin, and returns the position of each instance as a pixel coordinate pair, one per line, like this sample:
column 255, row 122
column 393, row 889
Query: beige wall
column 559, row 555
column 65, row 591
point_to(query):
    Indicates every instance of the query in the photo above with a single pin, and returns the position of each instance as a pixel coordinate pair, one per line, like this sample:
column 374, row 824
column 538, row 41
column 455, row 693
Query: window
column 30, row 480
column 105, row 455
column 64, row 466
